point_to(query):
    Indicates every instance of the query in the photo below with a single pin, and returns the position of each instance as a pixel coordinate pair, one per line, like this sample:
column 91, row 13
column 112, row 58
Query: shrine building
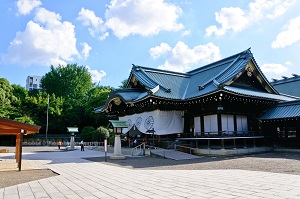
column 225, row 104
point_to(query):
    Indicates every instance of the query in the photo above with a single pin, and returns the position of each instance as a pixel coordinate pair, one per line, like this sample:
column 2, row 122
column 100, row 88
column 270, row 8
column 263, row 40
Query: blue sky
column 178, row 35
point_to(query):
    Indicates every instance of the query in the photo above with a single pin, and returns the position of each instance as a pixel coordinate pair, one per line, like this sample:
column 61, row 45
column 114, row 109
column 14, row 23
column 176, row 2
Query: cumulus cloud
column 273, row 68
column 236, row 19
column 146, row 17
column 96, row 75
column 181, row 57
column 45, row 41
column 89, row 19
column 289, row 35
column 85, row 50
column 26, row 6
column 157, row 51
column 130, row 17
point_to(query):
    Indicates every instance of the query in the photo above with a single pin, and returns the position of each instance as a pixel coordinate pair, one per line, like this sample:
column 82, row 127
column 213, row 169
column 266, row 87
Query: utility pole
column 47, row 121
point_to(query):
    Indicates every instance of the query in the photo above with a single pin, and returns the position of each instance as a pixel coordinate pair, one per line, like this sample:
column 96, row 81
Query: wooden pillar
column 17, row 146
column 219, row 124
column 234, row 123
column 202, row 123
column 20, row 151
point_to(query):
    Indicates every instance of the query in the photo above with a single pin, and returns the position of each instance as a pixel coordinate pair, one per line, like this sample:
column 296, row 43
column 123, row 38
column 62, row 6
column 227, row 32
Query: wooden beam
column 9, row 131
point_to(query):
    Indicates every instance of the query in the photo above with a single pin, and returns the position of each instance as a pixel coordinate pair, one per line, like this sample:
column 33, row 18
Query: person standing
column 82, row 145
column 58, row 144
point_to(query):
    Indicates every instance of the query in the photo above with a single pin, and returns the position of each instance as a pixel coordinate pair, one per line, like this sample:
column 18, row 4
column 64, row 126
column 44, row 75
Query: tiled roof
column 259, row 94
column 283, row 110
column 288, row 85
column 201, row 81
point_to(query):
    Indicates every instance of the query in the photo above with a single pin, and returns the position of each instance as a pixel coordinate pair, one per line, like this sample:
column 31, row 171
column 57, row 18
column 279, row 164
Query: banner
column 162, row 122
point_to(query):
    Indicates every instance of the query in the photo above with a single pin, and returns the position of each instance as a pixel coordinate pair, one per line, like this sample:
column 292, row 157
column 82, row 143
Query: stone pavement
column 172, row 154
column 80, row 178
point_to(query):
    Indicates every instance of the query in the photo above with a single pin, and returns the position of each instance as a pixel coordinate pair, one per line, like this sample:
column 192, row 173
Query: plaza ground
column 76, row 174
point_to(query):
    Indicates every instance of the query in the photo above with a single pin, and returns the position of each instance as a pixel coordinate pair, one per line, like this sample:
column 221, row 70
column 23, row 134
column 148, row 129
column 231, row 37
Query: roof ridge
column 163, row 71
column 216, row 63
column 186, row 89
column 287, row 80
column 225, row 69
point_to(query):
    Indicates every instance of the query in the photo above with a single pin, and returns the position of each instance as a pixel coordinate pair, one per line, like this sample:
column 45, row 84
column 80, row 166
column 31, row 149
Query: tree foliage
column 100, row 134
column 87, row 133
column 70, row 81
column 7, row 99
column 72, row 100
column 123, row 84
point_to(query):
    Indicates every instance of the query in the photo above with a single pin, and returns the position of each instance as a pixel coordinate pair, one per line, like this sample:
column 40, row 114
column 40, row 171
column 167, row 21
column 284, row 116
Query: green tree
column 100, row 134
column 7, row 99
column 87, row 133
column 70, row 81
column 123, row 83
column 96, row 97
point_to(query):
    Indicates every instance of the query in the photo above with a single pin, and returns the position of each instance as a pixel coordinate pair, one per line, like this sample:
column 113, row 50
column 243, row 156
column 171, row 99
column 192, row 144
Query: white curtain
column 241, row 123
column 162, row 122
column 211, row 123
column 227, row 122
column 197, row 124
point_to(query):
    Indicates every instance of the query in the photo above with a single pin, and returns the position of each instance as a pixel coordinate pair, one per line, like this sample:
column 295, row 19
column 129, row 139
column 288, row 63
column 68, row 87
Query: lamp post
column 152, row 131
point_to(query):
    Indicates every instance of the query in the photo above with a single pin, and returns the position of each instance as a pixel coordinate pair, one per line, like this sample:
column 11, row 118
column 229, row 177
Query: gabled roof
column 203, row 80
column 283, row 110
column 227, row 74
column 288, row 85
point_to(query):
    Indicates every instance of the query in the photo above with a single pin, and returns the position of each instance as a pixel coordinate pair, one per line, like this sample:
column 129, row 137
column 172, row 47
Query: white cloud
column 26, row 6
column 89, row 18
column 131, row 17
column 45, row 41
column 145, row 17
column 236, row 19
column 288, row 63
column 273, row 68
column 229, row 18
column 103, row 37
column 181, row 57
column 85, row 50
column 157, row 51
column 186, row 33
column 289, row 35
column 96, row 75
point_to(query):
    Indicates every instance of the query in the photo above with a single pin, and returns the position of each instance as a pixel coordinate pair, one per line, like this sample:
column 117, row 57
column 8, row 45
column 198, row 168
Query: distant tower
column 33, row 82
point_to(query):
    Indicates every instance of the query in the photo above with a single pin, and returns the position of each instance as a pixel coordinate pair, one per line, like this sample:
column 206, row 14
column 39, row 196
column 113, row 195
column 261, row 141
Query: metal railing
column 139, row 150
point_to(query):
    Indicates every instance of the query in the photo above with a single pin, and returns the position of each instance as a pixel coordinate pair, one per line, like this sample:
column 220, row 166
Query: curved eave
column 257, row 94
column 133, row 95
column 139, row 73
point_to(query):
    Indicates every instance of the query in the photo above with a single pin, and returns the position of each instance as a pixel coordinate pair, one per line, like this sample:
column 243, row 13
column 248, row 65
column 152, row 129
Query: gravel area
column 277, row 162
column 9, row 178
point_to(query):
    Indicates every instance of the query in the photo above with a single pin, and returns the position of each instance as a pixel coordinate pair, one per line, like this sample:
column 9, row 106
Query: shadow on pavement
column 277, row 162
